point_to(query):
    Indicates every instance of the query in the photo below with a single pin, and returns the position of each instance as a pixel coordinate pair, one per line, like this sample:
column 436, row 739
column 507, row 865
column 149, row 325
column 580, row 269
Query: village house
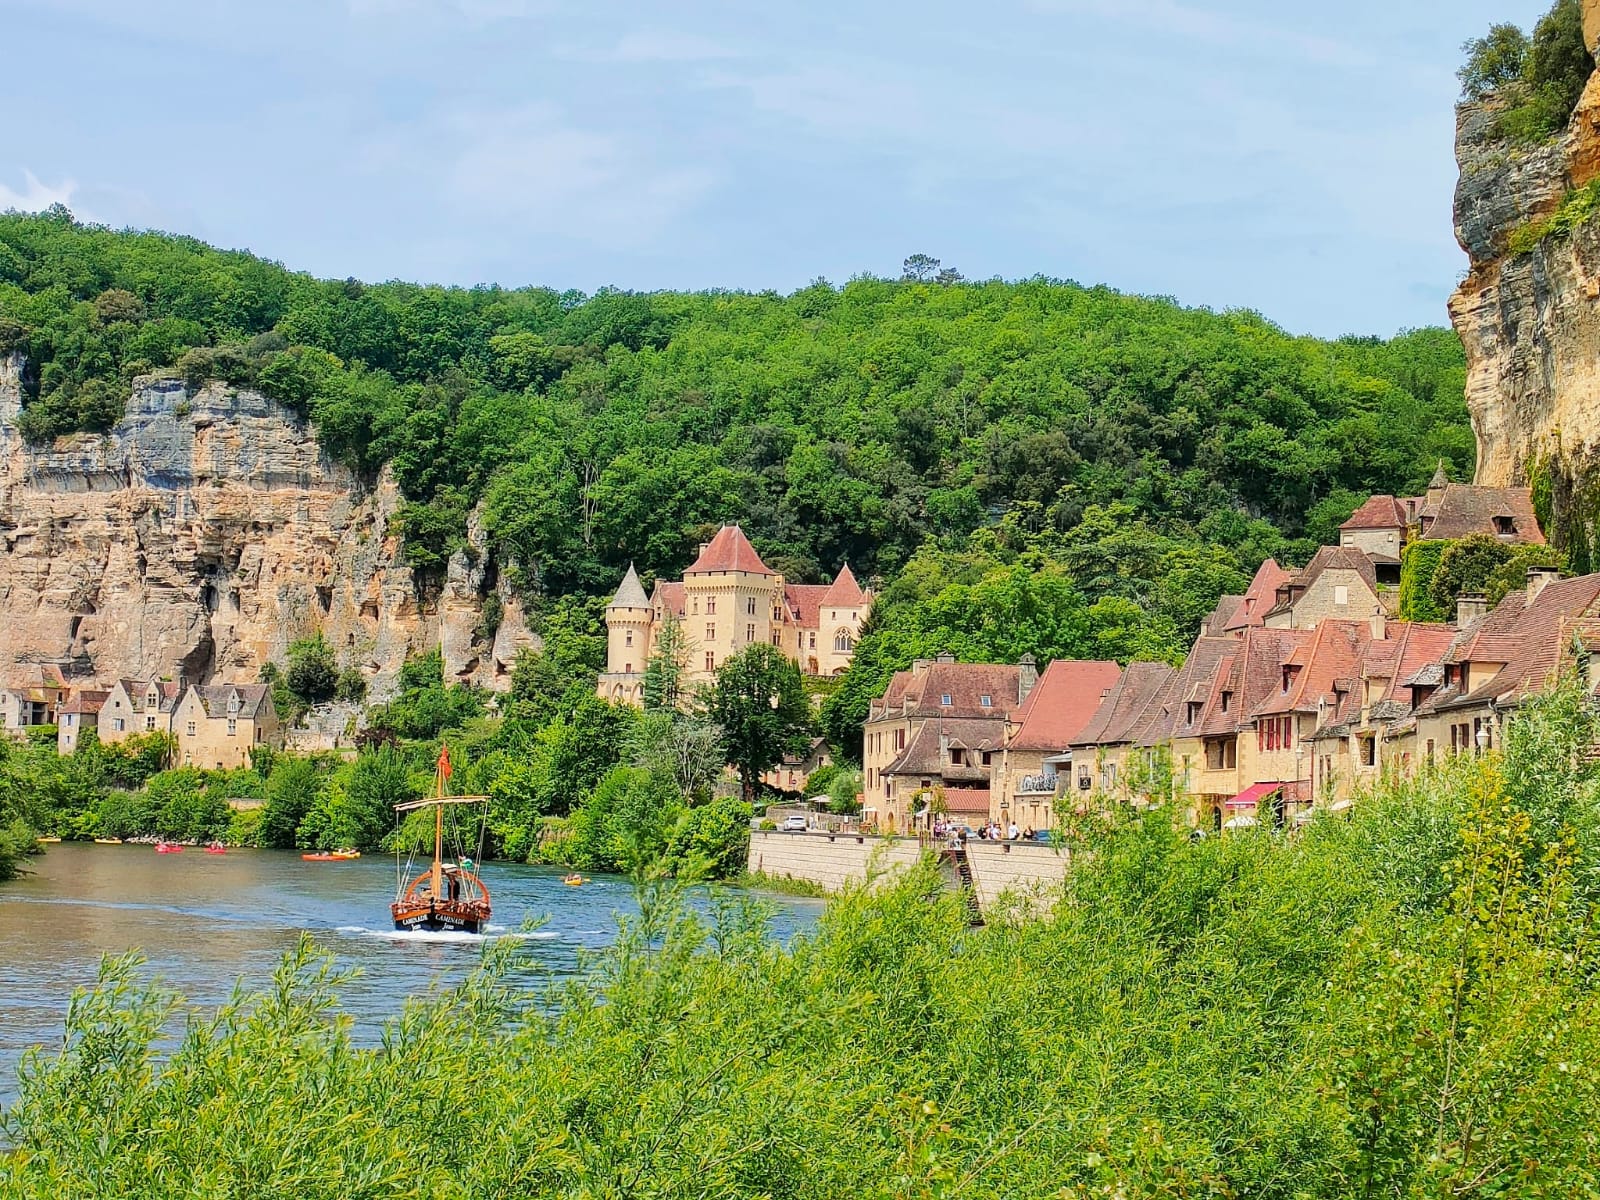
column 1235, row 613
column 939, row 727
column 1106, row 754
column 727, row 600
column 217, row 725
column 31, row 697
column 1337, row 584
column 137, row 706
column 1385, row 525
column 791, row 774
column 81, row 711
column 1035, row 763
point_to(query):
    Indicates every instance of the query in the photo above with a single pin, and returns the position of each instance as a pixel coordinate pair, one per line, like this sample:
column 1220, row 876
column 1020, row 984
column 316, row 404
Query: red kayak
column 168, row 848
column 216, row 848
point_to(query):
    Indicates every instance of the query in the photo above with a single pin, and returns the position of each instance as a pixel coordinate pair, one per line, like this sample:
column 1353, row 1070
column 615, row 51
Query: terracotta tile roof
column 805, row 602
column 1259, row 597
column 965, row 683
column 1062, row 703
column 670, row 597
column 844, row 591
column 85, row 702
column 925, row 755
column 1463, row 509
column 967, row 801
column 1126, row 706
column 730, row 550
column 1529, row 640
column 139, row 689
column 1334, row 651
column 1380, row 512
column 1327, row 558
column 1222, row 616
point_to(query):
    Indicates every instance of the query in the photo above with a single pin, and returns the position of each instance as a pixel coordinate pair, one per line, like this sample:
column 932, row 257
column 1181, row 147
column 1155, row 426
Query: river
column 204, row 921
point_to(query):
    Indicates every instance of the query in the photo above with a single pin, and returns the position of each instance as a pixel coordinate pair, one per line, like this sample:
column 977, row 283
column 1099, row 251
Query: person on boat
column 453, row 886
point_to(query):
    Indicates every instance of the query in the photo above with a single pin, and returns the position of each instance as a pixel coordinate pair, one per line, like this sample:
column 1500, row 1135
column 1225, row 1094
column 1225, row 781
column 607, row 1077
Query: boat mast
column 440, row 775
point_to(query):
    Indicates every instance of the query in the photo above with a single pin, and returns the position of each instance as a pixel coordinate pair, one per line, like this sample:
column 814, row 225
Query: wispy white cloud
column 530, row 168
column 35, row 194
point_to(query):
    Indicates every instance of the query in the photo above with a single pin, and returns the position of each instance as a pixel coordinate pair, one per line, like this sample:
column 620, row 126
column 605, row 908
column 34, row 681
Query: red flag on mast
column 444, row 763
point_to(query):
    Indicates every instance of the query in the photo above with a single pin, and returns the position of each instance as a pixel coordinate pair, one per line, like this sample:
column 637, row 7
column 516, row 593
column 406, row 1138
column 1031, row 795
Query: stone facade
column 217, row 726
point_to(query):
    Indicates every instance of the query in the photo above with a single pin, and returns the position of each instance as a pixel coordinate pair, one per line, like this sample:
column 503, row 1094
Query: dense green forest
column 1399, row 1004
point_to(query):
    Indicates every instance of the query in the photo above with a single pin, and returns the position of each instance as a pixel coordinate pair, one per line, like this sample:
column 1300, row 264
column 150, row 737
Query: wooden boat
column 447, row 897
column 168, row 848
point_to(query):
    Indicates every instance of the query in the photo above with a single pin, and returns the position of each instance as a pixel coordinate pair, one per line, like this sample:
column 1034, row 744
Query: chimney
column 945, row 656
column 1380, row 625
column 1469, row 607
column 918, row 666
column 1540, row 578
column 1026, row 677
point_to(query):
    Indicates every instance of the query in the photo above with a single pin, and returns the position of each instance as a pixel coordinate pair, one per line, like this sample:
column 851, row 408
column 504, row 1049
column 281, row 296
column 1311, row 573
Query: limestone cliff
column 1529, row 314
column 202, row 535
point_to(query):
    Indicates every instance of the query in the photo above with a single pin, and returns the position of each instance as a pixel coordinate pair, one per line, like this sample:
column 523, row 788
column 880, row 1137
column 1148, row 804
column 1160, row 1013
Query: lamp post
column 1482, row 737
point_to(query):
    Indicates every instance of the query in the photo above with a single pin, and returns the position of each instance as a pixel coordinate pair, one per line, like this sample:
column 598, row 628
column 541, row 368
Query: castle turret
column 628, row 628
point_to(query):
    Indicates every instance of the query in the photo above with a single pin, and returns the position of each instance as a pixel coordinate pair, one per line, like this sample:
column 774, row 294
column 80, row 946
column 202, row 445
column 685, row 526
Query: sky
column 1291, row 158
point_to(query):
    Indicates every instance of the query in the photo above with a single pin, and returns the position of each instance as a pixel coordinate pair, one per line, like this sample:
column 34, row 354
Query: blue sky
column 1291, row 158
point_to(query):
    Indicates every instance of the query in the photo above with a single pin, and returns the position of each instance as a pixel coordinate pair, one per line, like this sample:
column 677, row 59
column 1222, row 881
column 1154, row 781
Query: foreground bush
column 1397, row 1005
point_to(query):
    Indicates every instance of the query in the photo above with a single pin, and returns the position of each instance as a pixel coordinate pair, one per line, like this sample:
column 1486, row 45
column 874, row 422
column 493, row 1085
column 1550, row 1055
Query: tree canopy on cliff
column 859, row 423
column 1539, row 79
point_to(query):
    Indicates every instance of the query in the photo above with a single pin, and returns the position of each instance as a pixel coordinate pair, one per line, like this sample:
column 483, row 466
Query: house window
column 944, row 700
column 68, row 718
column 958, row 756
column 1341, row 594
column 233, row 726
column 1369, row 751
column 149, row 723
column 841, row 642
column 694, row 609
column 749, row 633
column 986, row 701
column 711, row 661
column 777, row 637
column 116, row 723
column 1227, row 698
column 750, row 606
column 812, row 644
column 1505, row 526
column 711, row 606
column 711, row 631
column 1192, row 711
column 191, row 729
column 627, row 638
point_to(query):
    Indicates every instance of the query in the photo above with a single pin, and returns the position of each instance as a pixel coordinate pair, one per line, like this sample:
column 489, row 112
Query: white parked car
column 794, row 823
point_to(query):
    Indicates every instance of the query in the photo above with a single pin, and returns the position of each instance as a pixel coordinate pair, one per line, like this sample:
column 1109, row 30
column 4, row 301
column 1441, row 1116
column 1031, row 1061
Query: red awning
column 1253, row 795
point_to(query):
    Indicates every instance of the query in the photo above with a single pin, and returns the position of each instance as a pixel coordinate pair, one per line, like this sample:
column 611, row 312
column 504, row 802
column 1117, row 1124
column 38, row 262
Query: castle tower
column 733, row 600
column 628, row 628
column 840, row 614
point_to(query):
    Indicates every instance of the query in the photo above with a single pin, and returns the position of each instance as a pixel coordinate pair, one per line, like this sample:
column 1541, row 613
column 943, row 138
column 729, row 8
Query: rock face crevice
column 1529, row 315
column 206, row 532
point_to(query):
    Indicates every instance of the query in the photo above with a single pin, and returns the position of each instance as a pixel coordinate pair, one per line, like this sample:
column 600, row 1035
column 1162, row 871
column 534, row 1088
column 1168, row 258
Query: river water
column 204, row 921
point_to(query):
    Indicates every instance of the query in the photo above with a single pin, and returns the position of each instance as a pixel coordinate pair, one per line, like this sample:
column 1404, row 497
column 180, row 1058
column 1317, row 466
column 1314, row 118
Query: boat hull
column 439, row 918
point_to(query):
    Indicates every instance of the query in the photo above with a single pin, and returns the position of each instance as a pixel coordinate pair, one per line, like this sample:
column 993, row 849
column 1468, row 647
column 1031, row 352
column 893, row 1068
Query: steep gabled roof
column 669, row 596
column 1062, row 703
column 925, row 687
column 805, row 603
column 255, row 699
column 1334, row 651
column 631, row 593
column 85, row 702
column 844, row 591
column 1259, row 597
column 1529, row 639
column 1126, row 706
column 1465, row 509
column 730, row 550
column 925, row 755
column 1379, row 512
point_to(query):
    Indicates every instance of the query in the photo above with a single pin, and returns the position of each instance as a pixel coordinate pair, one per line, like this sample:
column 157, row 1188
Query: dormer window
column 151, row 699
column 1192, row 711
column 957, row 757
column 1227, row 699
column 944, row 700
column 986, row 701
column 1505, row 526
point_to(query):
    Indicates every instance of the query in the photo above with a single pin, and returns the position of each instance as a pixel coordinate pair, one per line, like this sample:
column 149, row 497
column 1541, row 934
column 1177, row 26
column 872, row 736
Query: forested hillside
column 855, row 422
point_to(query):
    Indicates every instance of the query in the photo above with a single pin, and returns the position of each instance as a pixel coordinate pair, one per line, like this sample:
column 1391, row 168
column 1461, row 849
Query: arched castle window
column 842, row 642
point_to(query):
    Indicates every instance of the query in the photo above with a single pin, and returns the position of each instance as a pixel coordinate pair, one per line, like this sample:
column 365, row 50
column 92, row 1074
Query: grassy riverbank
column 1401, row 1004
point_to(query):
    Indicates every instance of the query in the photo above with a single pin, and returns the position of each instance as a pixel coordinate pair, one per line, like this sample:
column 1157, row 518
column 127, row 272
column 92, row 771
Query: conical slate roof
column 844, row 592
column 631, row 593
column 730, row 550
column 1440, row 479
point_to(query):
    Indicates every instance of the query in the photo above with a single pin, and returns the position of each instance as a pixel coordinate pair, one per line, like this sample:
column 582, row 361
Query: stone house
column 1385, row 525
column 729, row 599
column 791, row 774
column 1496, row 661
column 1106, row 753
column 137, row 706
column 1236, row 613
column 217, row 725
column 33, row 696
column 940, row 725
column 81, row 711
column 1337, row 584
column 1036, row 759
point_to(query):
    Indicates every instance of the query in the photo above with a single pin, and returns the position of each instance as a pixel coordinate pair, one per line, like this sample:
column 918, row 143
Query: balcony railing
column 1036, row 785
